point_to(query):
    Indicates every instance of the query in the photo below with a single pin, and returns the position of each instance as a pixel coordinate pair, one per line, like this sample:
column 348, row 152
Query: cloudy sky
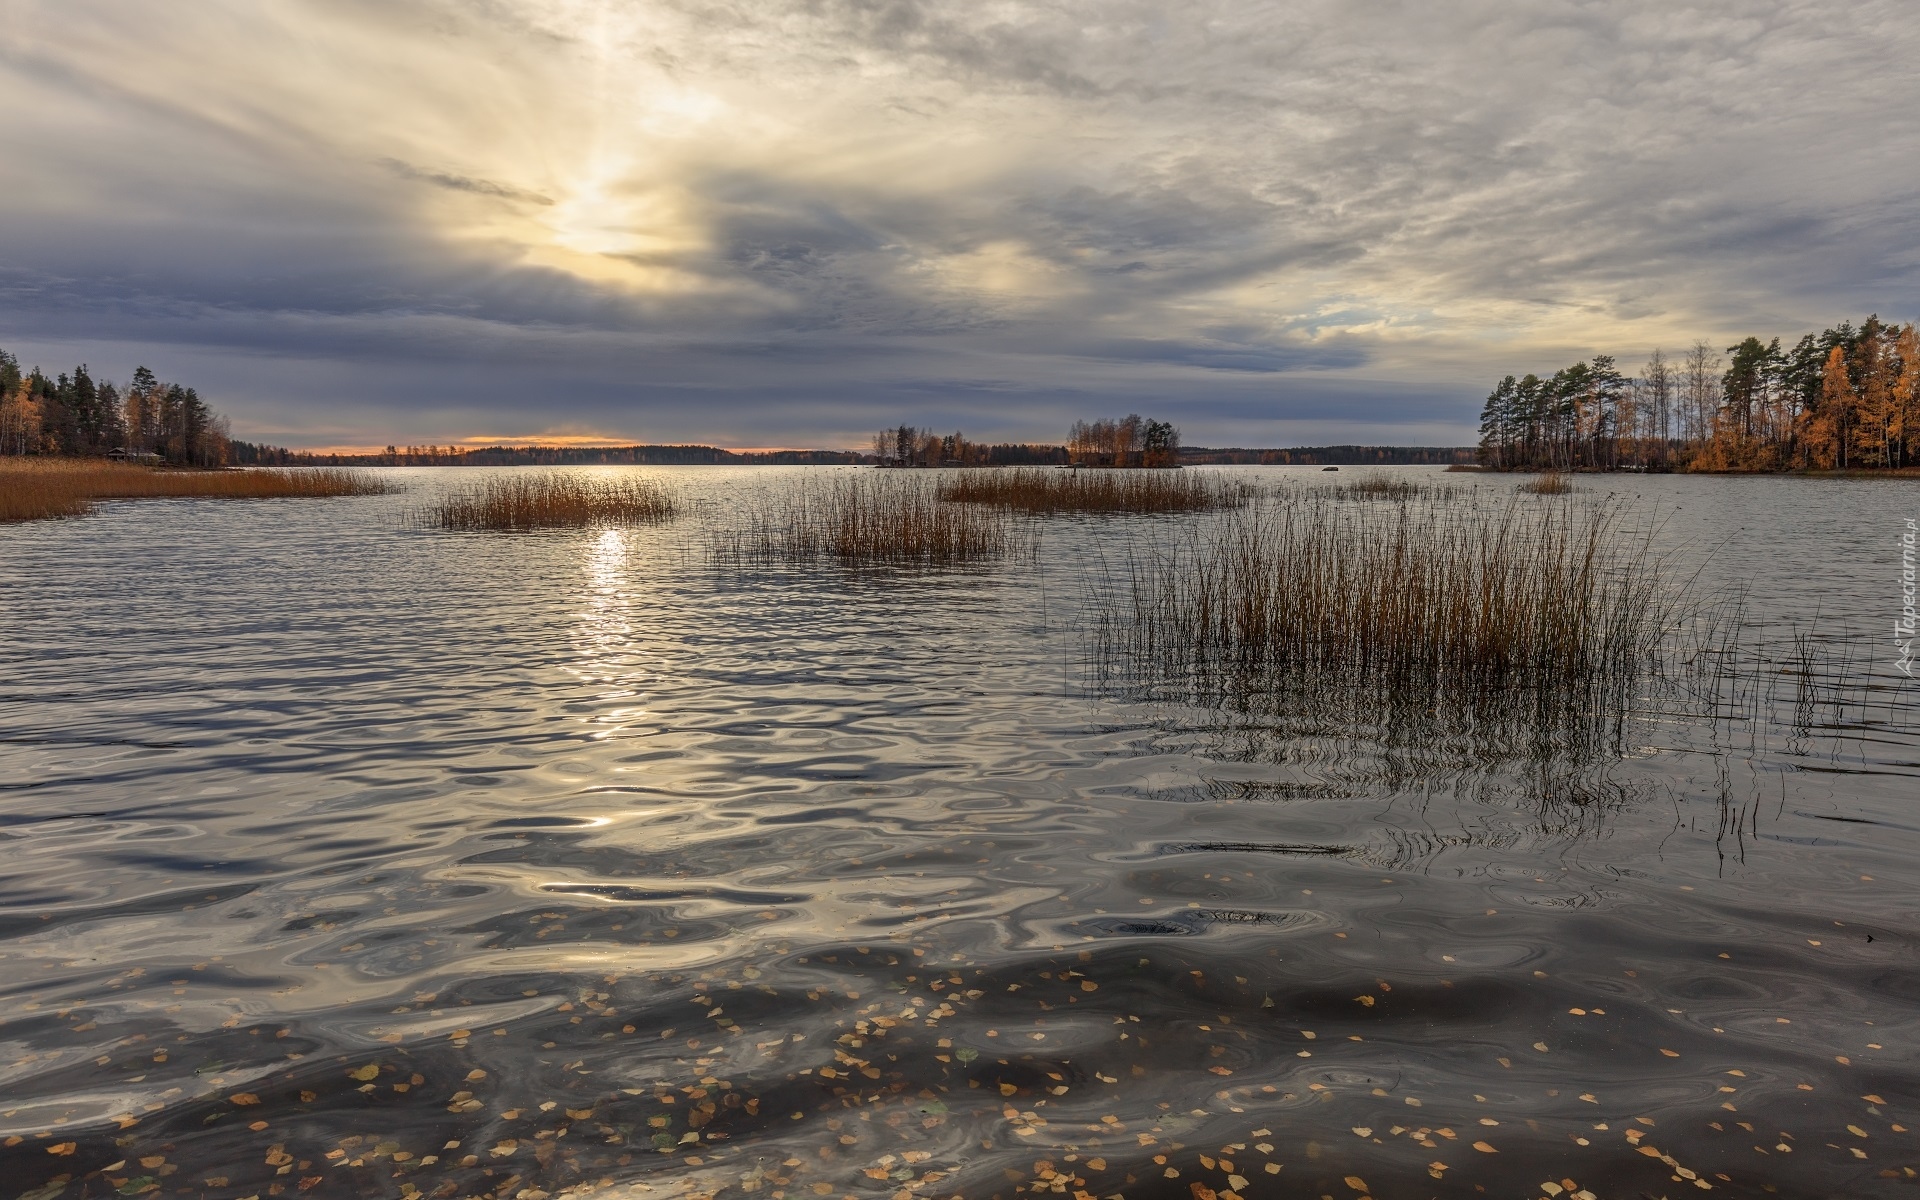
column 786, row 222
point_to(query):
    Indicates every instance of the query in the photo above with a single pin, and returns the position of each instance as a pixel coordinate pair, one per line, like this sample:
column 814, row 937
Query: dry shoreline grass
column 1047, row 491
column 1547, row 483
column 37, row 488
column 549, row 500
column 1441, row 596
column 870, row 519
column 1380, row 487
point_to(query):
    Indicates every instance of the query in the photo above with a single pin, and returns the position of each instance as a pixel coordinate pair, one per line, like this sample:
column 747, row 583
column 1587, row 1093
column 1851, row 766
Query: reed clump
column 550, row 500
column 1547, row 483
column 870, row 519
column 1438, row 596
column 1380, row 487
column 37, row 488
column 1050, row 491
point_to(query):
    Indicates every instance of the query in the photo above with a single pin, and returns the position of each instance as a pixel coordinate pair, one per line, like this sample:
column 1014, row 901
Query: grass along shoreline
column 34, row 489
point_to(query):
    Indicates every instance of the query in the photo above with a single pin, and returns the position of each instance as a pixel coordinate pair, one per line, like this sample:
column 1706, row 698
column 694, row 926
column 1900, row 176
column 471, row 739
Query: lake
column 348, row 858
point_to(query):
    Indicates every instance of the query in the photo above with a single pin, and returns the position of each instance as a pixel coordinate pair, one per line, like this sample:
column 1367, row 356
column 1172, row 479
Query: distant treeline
column 1341, row 456
column 75, row 414
column 1841, row 399
column 908, row 446
column 544, row 456
column 930, row 450
column 1129, row 441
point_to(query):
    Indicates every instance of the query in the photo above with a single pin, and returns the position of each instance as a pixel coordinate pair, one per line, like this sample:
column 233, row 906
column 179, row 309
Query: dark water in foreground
column 341, row 859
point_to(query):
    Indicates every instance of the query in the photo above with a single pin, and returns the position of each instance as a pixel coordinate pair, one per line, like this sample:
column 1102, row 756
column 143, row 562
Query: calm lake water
column 342, row 858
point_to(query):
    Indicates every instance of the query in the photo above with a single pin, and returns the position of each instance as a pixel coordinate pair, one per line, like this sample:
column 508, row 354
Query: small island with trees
column 1129, row 441
column 1843, row 399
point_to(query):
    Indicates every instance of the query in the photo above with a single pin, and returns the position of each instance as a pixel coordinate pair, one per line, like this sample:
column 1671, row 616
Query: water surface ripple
column 343, row 858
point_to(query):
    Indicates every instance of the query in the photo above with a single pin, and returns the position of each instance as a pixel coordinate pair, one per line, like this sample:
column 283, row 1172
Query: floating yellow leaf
column 1484, row 1148
column 365, row 1074
column 244, row 1098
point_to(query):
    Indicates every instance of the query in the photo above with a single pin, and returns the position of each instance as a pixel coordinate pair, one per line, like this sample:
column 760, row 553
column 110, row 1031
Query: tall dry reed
column 1052, row 490
column 890, row 519
column 549, row 500
column 34, row 488
column 1547, row 483
column 1436, row 595
column 1380, row 487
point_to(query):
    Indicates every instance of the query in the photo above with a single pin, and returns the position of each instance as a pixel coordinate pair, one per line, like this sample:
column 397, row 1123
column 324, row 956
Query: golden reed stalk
column 869, row 519
column 35, row 488
column 1051, row 490
column 1435, row 594
column 550, row 500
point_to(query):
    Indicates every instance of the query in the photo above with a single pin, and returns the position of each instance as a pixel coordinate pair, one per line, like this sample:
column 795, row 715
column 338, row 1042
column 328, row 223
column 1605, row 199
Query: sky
column 791, row 222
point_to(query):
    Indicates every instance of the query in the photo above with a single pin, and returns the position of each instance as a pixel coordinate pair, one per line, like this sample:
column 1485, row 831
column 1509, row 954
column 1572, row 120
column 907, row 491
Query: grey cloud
column 1319, row 212
column 461, row 183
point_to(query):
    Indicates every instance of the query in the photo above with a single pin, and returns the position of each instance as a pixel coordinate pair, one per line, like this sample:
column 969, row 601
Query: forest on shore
column 1842, row 399
column 75, row 415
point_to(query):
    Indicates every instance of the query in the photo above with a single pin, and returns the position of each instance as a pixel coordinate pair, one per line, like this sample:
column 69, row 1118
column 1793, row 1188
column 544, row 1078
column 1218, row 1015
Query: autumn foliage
column 1843, row 399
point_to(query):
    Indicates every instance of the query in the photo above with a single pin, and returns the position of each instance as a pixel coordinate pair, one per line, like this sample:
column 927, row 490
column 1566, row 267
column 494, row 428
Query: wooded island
column 1842, row 399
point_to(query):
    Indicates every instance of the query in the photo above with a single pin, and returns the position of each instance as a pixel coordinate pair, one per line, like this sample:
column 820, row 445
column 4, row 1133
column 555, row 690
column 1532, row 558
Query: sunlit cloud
column 408, row 220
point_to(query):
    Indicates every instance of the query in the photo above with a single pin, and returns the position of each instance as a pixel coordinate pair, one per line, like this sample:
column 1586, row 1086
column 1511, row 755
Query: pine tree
column 1498, row 422
column 142, row 409
column 1872, row 372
